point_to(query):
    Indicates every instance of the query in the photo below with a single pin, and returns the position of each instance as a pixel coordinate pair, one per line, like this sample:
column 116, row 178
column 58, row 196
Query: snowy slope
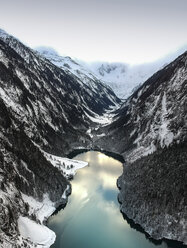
column 121, row 77
column 42, row 108
column 124, row 78
column 42, row 90
column 155, row 114
column 66, row 63
column 82, row 74
column 151, row 133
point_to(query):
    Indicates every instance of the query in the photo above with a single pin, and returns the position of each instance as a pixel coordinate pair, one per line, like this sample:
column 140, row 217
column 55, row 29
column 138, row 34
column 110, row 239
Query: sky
column 131, row 31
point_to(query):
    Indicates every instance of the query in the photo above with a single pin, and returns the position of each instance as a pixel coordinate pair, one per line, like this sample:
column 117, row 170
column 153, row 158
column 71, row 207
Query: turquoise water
column 92, row 218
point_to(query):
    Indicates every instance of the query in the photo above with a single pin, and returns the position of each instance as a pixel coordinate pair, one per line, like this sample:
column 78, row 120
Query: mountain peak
column 3, row 33
column 47, row 51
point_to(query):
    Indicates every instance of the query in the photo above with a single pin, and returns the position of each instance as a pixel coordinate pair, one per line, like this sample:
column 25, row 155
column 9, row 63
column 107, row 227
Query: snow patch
column 166, row 136
column 64, row 196
column 102, row 120
column 41, row 209
column 141, row 151
column 67, row 166
column 89, row 132
column 36, row 233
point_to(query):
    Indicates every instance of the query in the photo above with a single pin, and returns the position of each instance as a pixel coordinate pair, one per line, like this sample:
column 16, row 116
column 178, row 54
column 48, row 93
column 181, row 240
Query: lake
column 92, row 217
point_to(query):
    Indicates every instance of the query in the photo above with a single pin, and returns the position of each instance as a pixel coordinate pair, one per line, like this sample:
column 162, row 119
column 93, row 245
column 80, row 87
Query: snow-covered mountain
column 48, row 105
column 43, row 110
column 123, row 78
column 150, row 131
column 66, row 63
column 82, row 74
column 48, row 89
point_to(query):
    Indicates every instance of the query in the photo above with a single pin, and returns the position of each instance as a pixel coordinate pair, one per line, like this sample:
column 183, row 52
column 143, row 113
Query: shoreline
column 139, row 227
column 33, row 226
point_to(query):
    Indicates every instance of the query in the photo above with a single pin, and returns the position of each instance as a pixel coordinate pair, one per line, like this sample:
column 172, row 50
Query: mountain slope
column 150, row 131
column 82, row 75
column 42, row 108
column 37, row 91
column 122, row 78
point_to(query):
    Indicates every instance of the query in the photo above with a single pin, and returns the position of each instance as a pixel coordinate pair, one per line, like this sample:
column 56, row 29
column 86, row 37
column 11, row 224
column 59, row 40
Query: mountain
column 39, row 91
column 44, row 111
column 82, row 74
column 123, row 78
column 50, row 105
column 150, row 131
column 67, row 64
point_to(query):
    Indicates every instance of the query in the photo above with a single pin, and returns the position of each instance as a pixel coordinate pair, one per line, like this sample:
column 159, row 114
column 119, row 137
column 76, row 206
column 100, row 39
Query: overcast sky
column 132, row 31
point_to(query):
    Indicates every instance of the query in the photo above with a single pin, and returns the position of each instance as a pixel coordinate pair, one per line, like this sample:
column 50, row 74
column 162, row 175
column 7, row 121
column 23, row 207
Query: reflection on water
column 92, row 218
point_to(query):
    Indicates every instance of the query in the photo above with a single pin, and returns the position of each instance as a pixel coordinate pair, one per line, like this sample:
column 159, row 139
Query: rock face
column 150, row 131
column 42, row 107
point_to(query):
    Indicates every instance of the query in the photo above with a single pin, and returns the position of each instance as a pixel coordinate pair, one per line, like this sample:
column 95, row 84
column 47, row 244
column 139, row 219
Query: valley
column 47, row 112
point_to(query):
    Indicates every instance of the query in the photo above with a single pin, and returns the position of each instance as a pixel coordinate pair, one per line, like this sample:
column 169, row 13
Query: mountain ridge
column 150, row 131
column 123, row 78
column 43, row 109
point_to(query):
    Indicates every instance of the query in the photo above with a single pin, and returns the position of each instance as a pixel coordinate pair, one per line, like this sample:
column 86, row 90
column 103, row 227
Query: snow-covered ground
column 106, row 118
column 42, row 210
column 38, row 233
column 102, row 120
column 67, row 166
